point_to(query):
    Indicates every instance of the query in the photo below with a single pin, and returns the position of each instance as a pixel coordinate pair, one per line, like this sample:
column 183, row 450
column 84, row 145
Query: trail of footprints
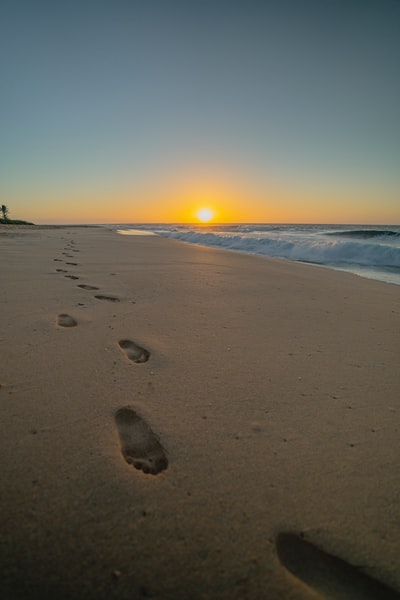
column 140, row 446
column 330, row 576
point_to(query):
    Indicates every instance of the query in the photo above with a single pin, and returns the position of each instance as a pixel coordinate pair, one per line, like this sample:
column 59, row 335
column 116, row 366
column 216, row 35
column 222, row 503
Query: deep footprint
column 72, row 264
column 108, row 298
column 87, row 287
column 71, row 276
column 66, row 321
column 330, row 576
column 139, row 445
column 134, row 352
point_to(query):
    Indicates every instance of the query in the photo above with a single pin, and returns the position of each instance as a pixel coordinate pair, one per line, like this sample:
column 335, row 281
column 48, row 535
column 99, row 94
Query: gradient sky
column 145, row 110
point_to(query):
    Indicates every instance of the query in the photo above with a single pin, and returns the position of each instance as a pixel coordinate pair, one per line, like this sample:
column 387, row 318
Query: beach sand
column 261, row 395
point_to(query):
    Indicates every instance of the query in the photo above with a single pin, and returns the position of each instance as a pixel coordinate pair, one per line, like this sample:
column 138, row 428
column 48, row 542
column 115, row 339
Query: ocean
column 371, row 251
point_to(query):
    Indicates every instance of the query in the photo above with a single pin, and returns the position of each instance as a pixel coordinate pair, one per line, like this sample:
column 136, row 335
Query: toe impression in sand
column 139, row 444
column 134, row 352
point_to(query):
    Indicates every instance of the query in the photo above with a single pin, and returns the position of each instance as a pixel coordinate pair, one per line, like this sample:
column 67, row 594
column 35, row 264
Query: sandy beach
column 186, row 423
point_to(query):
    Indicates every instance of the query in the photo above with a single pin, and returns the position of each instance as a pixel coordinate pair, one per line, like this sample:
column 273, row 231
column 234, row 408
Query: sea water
column 371, row 251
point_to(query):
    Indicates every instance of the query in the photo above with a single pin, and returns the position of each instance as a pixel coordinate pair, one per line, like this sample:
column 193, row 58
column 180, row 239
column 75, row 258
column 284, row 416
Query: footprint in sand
column 139, row 445
column 65, row 320
column 134, row 352
column 72, row 264
column 108, row 298
column 71, row 276
column 61, row 271
column 328, row 575
column 57, row 259
column 87, row 287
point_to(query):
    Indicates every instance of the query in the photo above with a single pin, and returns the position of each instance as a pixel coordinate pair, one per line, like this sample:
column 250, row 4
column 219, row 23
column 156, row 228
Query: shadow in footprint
column 66, row 321
column 61, row 271
column 87, row 287
column 139, row 444
column 72, row 264
column 330, row 576
column 134, row 352
column 71, row 276
column 108, row 298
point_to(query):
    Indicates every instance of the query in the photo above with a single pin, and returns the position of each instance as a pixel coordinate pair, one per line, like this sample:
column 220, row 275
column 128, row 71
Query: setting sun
column 205, row 214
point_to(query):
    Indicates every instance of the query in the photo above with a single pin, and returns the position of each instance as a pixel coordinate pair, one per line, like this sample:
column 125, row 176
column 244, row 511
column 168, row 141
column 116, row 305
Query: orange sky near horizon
column 230, row 200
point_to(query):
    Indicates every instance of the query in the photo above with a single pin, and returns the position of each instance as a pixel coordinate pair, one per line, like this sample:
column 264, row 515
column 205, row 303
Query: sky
column 130, row 111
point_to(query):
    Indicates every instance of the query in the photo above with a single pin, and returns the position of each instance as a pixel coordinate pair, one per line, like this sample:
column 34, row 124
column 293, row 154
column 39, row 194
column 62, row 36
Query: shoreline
column 371, row 272
column 370, row 252
column 271, row 386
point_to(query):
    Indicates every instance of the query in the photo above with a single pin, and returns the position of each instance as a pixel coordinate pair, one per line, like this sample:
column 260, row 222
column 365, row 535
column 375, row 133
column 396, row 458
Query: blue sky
column 106, row 102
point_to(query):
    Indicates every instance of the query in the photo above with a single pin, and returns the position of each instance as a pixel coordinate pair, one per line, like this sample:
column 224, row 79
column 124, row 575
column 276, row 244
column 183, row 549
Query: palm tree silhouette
column 4, row 210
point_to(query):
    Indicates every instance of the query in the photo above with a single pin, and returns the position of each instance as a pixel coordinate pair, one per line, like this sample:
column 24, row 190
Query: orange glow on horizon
column 232, row 197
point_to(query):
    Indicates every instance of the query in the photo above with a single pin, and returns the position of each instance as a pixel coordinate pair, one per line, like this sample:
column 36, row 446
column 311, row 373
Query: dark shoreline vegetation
column 44, row 226
column 14, row 222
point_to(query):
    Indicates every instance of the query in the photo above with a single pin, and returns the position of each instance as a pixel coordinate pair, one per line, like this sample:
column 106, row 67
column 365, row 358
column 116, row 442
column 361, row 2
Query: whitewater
column 371, row 251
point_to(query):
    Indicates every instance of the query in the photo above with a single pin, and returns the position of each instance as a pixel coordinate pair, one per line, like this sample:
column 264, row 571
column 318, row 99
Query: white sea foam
column 306, row 250
column 369, row 251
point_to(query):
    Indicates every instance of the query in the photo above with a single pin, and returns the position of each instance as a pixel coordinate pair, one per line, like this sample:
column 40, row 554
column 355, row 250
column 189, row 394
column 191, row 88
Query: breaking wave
column 319, row 250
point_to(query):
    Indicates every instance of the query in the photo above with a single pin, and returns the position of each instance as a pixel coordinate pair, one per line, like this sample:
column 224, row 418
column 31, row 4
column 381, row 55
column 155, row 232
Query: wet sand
column 182, row 422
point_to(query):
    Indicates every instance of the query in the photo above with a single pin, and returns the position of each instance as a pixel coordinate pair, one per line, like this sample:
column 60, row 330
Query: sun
column 205, row 215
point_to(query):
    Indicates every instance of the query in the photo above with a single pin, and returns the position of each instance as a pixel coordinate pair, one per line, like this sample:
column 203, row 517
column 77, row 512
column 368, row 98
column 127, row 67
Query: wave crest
column 319, row 250
column 366, row 234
